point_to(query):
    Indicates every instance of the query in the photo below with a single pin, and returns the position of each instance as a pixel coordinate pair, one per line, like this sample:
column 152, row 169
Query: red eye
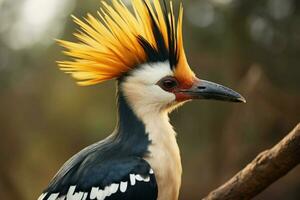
column 168, row 83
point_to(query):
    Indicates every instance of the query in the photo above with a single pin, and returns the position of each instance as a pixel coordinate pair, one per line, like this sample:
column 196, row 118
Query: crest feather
column 118, row 40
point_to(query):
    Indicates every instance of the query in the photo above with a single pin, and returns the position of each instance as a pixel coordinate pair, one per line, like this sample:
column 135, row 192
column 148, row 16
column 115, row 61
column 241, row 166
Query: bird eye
column 168, row 83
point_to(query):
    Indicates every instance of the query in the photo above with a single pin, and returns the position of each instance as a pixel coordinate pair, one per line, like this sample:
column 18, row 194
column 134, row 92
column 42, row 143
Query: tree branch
column 264, row 170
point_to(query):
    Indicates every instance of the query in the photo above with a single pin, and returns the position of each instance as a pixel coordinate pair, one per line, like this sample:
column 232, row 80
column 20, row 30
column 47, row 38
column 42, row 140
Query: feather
column 118, row 40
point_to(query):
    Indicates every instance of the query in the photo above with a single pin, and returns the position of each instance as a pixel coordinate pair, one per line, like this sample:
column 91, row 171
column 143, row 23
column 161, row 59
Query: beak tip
column 241, row 100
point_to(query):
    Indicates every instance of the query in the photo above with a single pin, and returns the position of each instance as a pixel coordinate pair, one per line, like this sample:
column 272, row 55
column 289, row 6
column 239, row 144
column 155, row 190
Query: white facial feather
column 142, row 91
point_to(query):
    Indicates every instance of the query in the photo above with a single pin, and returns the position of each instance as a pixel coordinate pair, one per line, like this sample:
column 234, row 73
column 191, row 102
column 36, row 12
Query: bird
column 141, row 48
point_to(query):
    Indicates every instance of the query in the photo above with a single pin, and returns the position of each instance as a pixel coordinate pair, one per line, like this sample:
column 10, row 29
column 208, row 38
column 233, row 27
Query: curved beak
column 202, row 89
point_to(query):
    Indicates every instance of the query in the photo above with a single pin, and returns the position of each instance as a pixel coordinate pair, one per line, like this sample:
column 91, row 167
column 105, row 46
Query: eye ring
column 168, row 83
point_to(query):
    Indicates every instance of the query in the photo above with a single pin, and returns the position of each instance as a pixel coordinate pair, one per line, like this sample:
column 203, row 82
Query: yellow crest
column 118, row 40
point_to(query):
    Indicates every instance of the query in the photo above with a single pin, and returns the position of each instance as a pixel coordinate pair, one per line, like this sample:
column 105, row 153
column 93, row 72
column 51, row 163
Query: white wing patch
column 72, row 195
column 132, row 179
column 96, row 193
column 123, row 186
column 53, row 196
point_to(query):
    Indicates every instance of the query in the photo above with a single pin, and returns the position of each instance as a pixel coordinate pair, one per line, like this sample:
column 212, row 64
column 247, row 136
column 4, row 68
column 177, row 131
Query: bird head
column 144, row 51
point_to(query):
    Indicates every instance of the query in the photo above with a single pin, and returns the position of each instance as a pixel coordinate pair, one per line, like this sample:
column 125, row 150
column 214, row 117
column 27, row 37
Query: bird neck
column 136, row 131
column 145, row 132
column 146, row 129
column 130, row 132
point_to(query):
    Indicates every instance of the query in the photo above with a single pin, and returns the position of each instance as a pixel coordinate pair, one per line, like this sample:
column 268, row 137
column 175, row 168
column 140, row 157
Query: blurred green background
column 251, row 46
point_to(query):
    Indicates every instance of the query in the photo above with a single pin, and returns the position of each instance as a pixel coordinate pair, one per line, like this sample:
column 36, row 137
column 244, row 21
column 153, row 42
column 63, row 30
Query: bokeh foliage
column 251, row 46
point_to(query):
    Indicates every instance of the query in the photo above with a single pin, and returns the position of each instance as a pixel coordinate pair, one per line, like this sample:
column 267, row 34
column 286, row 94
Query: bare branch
column 264, row 170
